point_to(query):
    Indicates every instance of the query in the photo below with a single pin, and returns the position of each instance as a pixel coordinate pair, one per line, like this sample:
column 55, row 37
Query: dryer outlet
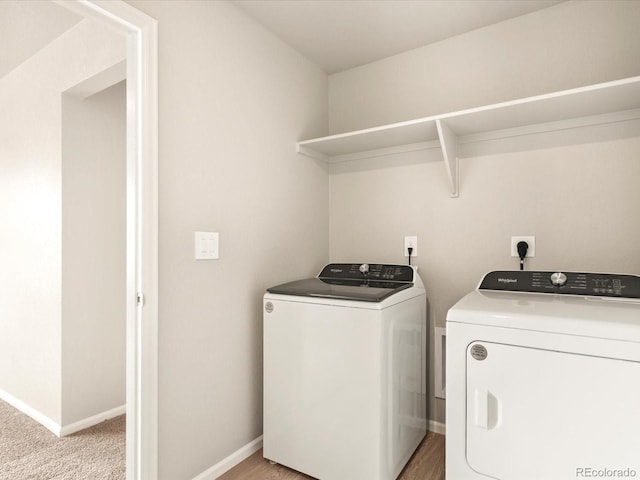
column 531, row 241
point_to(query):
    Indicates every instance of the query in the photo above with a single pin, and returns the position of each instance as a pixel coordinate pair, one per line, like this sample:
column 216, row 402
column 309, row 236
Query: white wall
column 233, row 101
column 576, row 191
column 93, row 253
column 30, row 210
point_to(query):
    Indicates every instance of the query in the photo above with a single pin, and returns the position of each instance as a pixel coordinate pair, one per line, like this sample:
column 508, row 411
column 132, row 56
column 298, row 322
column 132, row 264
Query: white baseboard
column 231, row 461
column 91, row 421
column 53, row 426
column 28, row 410
column 437, row 427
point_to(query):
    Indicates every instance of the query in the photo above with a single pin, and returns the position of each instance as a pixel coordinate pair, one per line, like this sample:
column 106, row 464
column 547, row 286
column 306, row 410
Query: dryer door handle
column 487, row 409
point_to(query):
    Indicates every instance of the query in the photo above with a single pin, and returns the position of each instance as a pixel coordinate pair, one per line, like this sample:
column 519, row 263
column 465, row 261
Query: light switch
column 207, row 245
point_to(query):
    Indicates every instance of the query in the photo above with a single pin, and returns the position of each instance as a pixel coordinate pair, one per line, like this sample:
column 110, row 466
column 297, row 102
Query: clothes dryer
column 543, row 378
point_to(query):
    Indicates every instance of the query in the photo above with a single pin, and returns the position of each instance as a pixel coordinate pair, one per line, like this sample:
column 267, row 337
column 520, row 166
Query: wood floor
column 426, row 464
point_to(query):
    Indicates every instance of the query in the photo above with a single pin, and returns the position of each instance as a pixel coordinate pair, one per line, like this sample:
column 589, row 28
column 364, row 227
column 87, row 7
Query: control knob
column 364, row 269
column 558, row 279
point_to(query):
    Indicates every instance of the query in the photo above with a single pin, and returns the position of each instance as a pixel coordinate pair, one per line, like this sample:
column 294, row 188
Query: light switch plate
column 206, row 245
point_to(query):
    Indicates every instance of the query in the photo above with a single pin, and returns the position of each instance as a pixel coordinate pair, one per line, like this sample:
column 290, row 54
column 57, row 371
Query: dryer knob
column 364, row 268
column 558, row 279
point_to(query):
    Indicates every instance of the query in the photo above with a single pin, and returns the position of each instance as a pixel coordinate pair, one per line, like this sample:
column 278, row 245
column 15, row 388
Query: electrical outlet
column 531, row 240
column 413, row 243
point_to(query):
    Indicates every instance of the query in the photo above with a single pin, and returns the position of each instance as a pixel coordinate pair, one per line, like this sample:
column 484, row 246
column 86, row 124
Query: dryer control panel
column 569, row 283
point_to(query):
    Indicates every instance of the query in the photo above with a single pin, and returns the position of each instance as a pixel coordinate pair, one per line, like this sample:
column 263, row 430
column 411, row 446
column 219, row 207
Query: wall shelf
column 592, row 105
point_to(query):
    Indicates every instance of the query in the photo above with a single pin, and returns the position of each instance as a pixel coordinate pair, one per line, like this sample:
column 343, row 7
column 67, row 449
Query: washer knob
column 364, row 268
column 558, row 279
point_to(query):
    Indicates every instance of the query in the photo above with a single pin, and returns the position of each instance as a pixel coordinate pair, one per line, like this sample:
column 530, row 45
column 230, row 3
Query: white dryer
column 543, row 378
column 345, row 389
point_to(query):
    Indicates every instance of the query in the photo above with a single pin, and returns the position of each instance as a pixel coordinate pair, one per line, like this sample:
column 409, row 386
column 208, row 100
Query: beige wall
column 571, row 44
column 29, row 26
column 233, row 101
column 93, row 253
column 30, row 211
column 576, row 191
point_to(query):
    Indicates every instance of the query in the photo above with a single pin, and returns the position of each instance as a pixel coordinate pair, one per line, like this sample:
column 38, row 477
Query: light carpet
column 28, row 451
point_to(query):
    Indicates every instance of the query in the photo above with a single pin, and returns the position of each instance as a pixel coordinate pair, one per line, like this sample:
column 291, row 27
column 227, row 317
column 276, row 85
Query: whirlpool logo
column 507, row 280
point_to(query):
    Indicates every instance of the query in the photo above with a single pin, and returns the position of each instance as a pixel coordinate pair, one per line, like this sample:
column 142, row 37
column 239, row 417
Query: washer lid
column 343, row 289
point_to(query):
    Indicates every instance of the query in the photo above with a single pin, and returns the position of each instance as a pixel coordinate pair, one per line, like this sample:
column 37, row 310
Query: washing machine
column 543, row 378
column 345, row 369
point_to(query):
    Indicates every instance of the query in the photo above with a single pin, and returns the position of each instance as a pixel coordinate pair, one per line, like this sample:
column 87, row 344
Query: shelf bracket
column 449, row 145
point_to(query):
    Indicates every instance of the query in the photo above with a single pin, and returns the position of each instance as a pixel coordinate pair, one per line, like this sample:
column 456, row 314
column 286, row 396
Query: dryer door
column 538, row 414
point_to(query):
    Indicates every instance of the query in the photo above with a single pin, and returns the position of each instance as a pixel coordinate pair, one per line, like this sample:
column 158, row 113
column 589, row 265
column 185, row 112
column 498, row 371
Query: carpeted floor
column 28, row 451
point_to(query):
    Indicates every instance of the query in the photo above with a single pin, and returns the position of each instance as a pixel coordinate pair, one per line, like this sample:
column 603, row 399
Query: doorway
column 141, row 227
column 93, row 321
column 36, row 199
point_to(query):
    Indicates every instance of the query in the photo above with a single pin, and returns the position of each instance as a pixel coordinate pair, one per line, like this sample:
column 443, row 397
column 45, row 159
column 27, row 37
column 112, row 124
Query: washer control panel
column 359, row 271
column 570, row 283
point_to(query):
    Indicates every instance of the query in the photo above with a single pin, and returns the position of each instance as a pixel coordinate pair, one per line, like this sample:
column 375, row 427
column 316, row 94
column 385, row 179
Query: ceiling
column 334, row 34
column 340, row 34
column 26, row 27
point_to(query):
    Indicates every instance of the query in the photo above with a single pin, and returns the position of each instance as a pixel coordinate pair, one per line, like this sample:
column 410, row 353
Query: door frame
column 142, row 227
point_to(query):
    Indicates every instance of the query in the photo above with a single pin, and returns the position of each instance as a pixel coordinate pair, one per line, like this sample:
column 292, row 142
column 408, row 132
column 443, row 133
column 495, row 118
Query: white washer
column 543, row 378
column 345, row 390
